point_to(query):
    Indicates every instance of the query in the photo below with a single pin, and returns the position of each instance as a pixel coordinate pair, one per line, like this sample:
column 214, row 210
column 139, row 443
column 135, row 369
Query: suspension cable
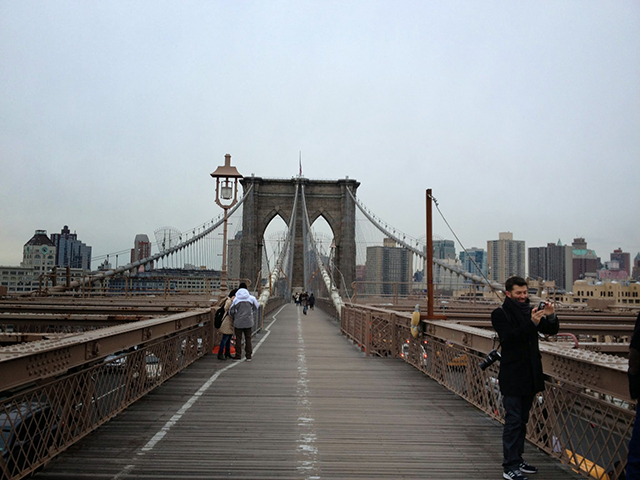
column 286, row 250
column 494, row 290
column 458, row 271
column 100, row 275
column 333, row 292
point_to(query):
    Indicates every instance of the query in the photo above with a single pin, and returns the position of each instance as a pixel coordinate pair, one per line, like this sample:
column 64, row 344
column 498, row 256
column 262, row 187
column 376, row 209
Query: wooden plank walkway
column 309, row 406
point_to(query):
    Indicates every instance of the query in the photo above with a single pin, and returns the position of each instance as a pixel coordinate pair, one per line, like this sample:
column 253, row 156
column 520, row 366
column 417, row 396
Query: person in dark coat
column 633, row 458
column 312, row 301
column 304, row 299
column 520, row 376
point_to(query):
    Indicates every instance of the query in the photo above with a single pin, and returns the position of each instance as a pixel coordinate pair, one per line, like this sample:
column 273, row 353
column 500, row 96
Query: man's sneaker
column 249, row 359
column 237, row 357
column 526, row 468
column 513, row 475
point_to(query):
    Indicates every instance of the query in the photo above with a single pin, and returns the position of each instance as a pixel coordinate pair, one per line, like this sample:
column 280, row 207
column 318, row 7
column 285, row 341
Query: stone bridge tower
column 327, row 198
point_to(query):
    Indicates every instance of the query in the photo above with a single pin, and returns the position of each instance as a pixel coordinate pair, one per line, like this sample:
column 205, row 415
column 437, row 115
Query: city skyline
column 439, row 250
column 520, row 118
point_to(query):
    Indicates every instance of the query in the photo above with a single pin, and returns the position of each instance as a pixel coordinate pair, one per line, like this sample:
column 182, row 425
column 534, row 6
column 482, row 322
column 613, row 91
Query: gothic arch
column 270, row 216
column 332, row 222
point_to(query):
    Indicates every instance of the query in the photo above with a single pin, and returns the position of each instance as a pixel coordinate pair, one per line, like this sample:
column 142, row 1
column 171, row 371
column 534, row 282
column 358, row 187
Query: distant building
column 71, row 252
column 39, row 253
column 623, row 259
column 18, row 279
column 506, row 257
column 477, row 255
column 612, row 271
column 585, row 262
column 553, row 262
column 159, row 281
column 579, row 243
column 444, row 249
column 635, row 273
column 446, row 282
column 602, row 294
column 386, row 266
column 389, row 242
column 26, row 279
column 612, row 274
column 538, row 262
column 36, row 268
column 141, row 249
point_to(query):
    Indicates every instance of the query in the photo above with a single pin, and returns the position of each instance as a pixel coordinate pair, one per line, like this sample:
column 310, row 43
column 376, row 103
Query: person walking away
column 243, row 311
column 312, row 301
column 633, row 458
column 227, row 330
column 520, row 376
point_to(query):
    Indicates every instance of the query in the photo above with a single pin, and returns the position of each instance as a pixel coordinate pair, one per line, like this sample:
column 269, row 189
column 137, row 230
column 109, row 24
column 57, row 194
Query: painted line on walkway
column 308, row 466
column 189, row 403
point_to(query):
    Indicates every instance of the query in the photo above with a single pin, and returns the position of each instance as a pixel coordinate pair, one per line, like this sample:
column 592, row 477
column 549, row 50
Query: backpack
column 217, row 319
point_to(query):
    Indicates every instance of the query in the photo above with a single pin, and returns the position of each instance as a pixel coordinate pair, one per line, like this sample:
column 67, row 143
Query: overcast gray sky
column 522, row 116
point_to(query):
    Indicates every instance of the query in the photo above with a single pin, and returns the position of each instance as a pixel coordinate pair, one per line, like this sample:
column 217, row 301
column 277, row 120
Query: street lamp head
column 226, row 183
column 226, row 170
column 226, row 191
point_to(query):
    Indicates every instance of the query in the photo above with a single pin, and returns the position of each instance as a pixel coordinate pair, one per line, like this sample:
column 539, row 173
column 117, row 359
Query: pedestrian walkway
column 309, row 406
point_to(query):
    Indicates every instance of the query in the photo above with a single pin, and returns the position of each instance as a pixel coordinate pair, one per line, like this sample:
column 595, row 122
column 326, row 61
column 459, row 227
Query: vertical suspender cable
column 286, row 250
column 100, row 275
column 333, row 292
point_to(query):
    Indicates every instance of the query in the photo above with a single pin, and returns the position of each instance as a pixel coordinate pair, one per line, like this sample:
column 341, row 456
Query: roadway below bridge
column 310, row 405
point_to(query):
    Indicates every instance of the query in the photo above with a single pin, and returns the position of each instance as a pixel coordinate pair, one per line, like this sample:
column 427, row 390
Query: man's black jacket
column 634, row 361
column 521, row 363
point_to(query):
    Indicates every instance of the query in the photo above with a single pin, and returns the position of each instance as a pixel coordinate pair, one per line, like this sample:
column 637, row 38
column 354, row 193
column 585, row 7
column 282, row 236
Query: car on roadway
column 28, row 432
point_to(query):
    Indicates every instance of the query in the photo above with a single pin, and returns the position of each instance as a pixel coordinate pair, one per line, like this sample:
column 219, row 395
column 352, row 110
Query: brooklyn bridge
column 105, row 376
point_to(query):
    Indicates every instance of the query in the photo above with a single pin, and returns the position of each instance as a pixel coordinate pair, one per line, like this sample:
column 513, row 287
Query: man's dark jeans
column 515, row 429
column 247, row 340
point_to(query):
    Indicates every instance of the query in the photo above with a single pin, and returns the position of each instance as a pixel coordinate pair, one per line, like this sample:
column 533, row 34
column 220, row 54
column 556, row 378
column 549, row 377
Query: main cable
column 435, row 202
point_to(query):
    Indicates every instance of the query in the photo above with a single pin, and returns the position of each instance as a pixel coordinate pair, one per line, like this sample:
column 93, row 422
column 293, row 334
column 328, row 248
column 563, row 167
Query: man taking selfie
column 520, row 377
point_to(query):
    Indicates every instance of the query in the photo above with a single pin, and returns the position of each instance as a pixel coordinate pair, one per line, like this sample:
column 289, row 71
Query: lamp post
column 226, row 197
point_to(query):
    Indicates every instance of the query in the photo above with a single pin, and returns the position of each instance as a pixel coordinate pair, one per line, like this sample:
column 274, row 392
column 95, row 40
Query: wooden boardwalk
column 309, row 406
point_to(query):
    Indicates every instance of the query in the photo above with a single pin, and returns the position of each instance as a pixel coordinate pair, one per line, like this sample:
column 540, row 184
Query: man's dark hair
column 242, row 285
column 512, row 281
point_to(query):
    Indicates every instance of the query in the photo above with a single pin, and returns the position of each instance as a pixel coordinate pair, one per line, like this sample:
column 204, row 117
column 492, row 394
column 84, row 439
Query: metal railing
column 54, row 393
column 584, row 417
